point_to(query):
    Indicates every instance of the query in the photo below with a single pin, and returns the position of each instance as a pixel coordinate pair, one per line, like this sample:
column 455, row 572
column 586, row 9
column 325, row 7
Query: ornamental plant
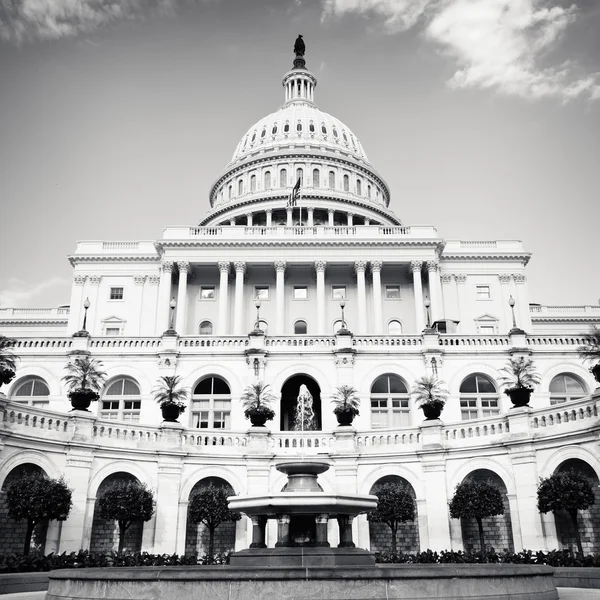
column 8, row 361
column 36, row 498
column 126, row 502
column 428, row 391
column 395, row 506
column 210, row 507
column 170, row 392
column 345, row 399
column 85, row 374
column 519, row 373
column 567, row 490
column 258, row 399
column 590, row 351
column 476, row 500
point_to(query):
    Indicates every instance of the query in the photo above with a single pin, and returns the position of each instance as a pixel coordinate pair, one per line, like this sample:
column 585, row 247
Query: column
column 164, row 297
column 350, row 221
column 289, row 221
column 436, row 508
column 461, row 280
column 77, row 300
column 180, row 319
column 345, row 525
column 320, row 269
column 415, row 267
column 283, row 531
column 139, row 281
column 377, row 304
column 448, row 297
column 238, row 310
column 94, row 281
column 167, row 504
column 434, row 290
column 311, row 217
column 223, row 300
column 330, row 214
column 231, row 222
column 504, row 298
column 522, row 302
column 280, row 295
column 248, row 219
column 269, row 217
column 321, row 522
column 359, row 267
column 258, row 532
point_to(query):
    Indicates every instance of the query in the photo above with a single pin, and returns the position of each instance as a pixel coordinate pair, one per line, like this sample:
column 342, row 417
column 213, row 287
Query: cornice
column 432, row 243
column 524, row 257
column 96, row 258
column 28, row 321
column 564, row 319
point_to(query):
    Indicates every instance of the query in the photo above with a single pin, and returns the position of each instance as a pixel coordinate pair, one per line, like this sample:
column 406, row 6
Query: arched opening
column 267, row 180
column 283, row 178
column 300, row 327
column 394, row 327
column 289, row 400
column 478, row 397
column 205, row 328
column 211, row 404
column 380, row 534
column 12, row 533
column 197, row 534
column 31, row 390
column 390, row 402
column 588, row 520
column 498, row 529
column 105, row 534
column 566, row 387
column 121, row 401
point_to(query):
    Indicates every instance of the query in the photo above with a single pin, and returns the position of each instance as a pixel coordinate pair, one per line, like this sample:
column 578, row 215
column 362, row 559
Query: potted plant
column 257, row 400
column 430, row 396
column 519, row 379
column 346, row 402
column 171, row 397
column 7, row 360
column 590, row 351
column 84, row 380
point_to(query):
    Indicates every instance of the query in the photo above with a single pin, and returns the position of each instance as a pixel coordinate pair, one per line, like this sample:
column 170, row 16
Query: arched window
column 300, row 176
column 264, row 326
column 205, row 328
column 274, row 130
column 121, row 401
column 31, row 390
column 335, row 133
column 369, row 191
column 565, row 387
column 300, row 328
column 253, row 183
column 316, row 178
column 229, row 192
column 394, row 328
column 323, row 129
column 211, row 404
column 240, row 187
column 478, row 398
column 358, row 187
column 267, row 180
column 311, row 127
column 331, row 180
column 253, row 137
column 337, row 325
column 286, row 128
column 389, row 402
column 263, row 132
column 299, row 127
column 283, row 178
column 346, row 183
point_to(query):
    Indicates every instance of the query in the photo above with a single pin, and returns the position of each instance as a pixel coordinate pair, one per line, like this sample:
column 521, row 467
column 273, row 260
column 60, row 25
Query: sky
column 116, row 116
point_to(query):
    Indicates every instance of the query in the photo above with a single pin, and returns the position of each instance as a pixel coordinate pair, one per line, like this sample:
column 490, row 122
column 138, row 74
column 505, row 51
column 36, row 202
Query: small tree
column 568, row 490
column 476, row 500
column 84, row 373
column 346, row 399
column 170, row 392
column 126, row 502
column 210, row 507
column 257, row 399
column 36, row 498
column 395, row 506
column 8, row 361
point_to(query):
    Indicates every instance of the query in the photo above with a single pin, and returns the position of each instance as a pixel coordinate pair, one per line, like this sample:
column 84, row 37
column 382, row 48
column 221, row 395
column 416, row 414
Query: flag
column 294, row 195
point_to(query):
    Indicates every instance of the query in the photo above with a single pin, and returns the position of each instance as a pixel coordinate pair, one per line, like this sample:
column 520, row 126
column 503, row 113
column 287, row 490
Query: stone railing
column 541, row 310
column 388, row 437
column 43, row 344
column 556, row 340
column 380, row 341
column 60, row 313
column 123, row 343
column 573, row 413
column 212, row 342
column 476, row 428
column 479, row 341
column 299, row 341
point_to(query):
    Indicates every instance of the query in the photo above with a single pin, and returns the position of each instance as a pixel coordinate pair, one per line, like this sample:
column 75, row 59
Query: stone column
column 138, row 286
column 330, row 214
column 345, row 525
column 269, row 217
column 461, row 280
column 350, row 219
column 320, row 269
column 415, row 267
column 232, row 222
column 283, row 531
column 248, row 219
column 77, row 300
column 223, row 300
column 238, row 308
column 280, row 295
column 434, row 290
column 289, row 221
column 438, row 526
column 321, row 522
column 94, row 281
column 180, row 322
column 359, row 267
column 311, row 217
column 448, row 297
column 167, row 504
column 377, row 304
column 522, row 302
column 164, row 297
column 258, row 532
column 504, row 279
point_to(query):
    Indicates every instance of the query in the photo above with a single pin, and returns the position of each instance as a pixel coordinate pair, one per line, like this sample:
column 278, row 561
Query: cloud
column 19, row 293
column 30, row 20
column 496, row 44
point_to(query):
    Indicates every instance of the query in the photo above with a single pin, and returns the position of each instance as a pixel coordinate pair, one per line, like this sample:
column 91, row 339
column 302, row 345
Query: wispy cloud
column 497, row 44
column 30, row 20
column 20, row 294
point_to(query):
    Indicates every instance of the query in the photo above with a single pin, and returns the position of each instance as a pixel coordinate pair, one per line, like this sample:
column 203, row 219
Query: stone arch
column 215, row 370
column 208, row 472
column 569, row 368
column 459, row 376
column 380, row 535
column 129, row 372
column 364, row 385
column 117, row 466
column 29, row 456
column 288, row 400
column 48, row 376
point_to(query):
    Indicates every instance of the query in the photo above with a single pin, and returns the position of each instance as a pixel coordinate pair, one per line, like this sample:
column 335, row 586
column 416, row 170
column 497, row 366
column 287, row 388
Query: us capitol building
column 299, row 273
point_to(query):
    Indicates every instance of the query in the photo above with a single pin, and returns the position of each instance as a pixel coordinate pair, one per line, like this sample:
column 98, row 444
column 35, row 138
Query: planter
column 170, row 412
column 6, row 376
column 345, row 417
column 519, row 396
column 81, row 399
column 431, row 411
column 595, row 371
column 258, row 419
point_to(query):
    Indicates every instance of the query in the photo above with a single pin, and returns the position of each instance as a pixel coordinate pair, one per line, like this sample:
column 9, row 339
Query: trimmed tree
column 210, row 507
column 568, row 490
column 395, row 506
column 126, row 502
column 476, row 500
column 36, row 499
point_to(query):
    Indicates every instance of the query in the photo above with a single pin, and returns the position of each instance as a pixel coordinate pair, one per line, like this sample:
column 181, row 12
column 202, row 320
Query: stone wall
column 197, row 538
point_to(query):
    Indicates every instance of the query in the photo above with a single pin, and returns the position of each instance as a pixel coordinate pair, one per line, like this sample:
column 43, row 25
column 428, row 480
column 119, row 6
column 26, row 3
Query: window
column 121, row 401
column 486, row 325
column 483, row 292
column 263, row 133
column 33, row 391
column 264, row 326
column 267, row 180
column 300, row 292
column 207, row 293
column 286, row 128
column 338, row 292
column 392, row 292
column 274, row 130
column 112, row 331
column 358, row 187
column 253, row 137
column 299, row 127
column 389, row 402
column 331, row 180
column 369, row 191
column 337, row 326
column 240, row 187
column 283, row 178
column 300, row 328
column 316, row 178
column 395, row 327
column 253, row 183
column 261, row 292
column 487, row 329
column 116, row 293
column 300, row 176
column 335, row 133
column 205, row 328
column 311, row 127
column 565, row 387
column 211, row 404
column 229, row 192
column 346, row 183
column 323, row 129
column 478, row 398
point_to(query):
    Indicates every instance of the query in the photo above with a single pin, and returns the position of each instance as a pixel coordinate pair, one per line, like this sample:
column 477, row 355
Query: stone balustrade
column 547, row 310
column 60, row 313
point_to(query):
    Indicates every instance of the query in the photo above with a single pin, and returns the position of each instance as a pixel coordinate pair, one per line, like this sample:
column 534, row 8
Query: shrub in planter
column 347, row 402
column 171, row 397
column 257, row 400
column 590, row 351
column 84, row 381
column 430, row 396
column 8, row 360
column 519, row 379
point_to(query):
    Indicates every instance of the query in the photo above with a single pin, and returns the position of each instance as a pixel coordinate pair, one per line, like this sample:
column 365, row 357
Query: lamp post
column 342, row 306
column 172, row 306
column 427, row 305
column 511, row 303
column 86, row 305
column 257, row 323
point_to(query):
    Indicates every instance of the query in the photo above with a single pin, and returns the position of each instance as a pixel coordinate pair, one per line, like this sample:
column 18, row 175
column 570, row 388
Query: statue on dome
column 299, row 47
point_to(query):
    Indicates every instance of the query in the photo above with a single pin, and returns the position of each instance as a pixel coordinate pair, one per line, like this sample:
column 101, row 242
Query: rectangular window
column 489, row 407
column 392, row 292
column 400, row 412
column 300, row 292
column 487, row 329
column 116, row 293
column 468, row 408
column 110, row 409
column 113, row 331
column 483, row 292
column 207, row 293
column 338, row 292
column 261, row 292
column 379, row 414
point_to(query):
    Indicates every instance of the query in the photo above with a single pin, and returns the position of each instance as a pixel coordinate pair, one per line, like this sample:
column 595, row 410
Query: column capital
column 269, row 211
column 446, row 278
column 460, row 277
column 504, row 278
column 183, row 266
column 519, row 278
column 139, row 279
column 95, row 279
column 350, row 213
column 433, row 265
column 280, row 266
column 79, row 279
column 360, row 266
column 223, row 266
column 153, row 279
column 330, row 211
column 249, row 215
column 167, row 266
column 311, row 209
column 239, row 266
column 376, row 266
column 416, row 265
column 320, row 266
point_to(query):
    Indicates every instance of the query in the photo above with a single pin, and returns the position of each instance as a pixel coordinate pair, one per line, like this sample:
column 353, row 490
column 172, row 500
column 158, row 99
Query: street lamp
column 172, row 305
column 342, row 306
column 511, row 303
column 86, row 305
column 427, row 305
column 257, row 324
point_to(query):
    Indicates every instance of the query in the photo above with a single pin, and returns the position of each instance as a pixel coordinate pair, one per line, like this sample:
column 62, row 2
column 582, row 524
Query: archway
column 588, row 520
column 498, row 529
column 289, row 398
column 105, row 534
column 196, row 534
column 380, row 534
column 12, row 533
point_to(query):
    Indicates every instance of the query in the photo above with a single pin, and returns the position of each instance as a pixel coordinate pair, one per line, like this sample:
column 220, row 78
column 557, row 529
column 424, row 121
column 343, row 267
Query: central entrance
column 290, row 391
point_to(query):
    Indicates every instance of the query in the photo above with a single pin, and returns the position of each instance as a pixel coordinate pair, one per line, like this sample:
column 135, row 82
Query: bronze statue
column 299, row 47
